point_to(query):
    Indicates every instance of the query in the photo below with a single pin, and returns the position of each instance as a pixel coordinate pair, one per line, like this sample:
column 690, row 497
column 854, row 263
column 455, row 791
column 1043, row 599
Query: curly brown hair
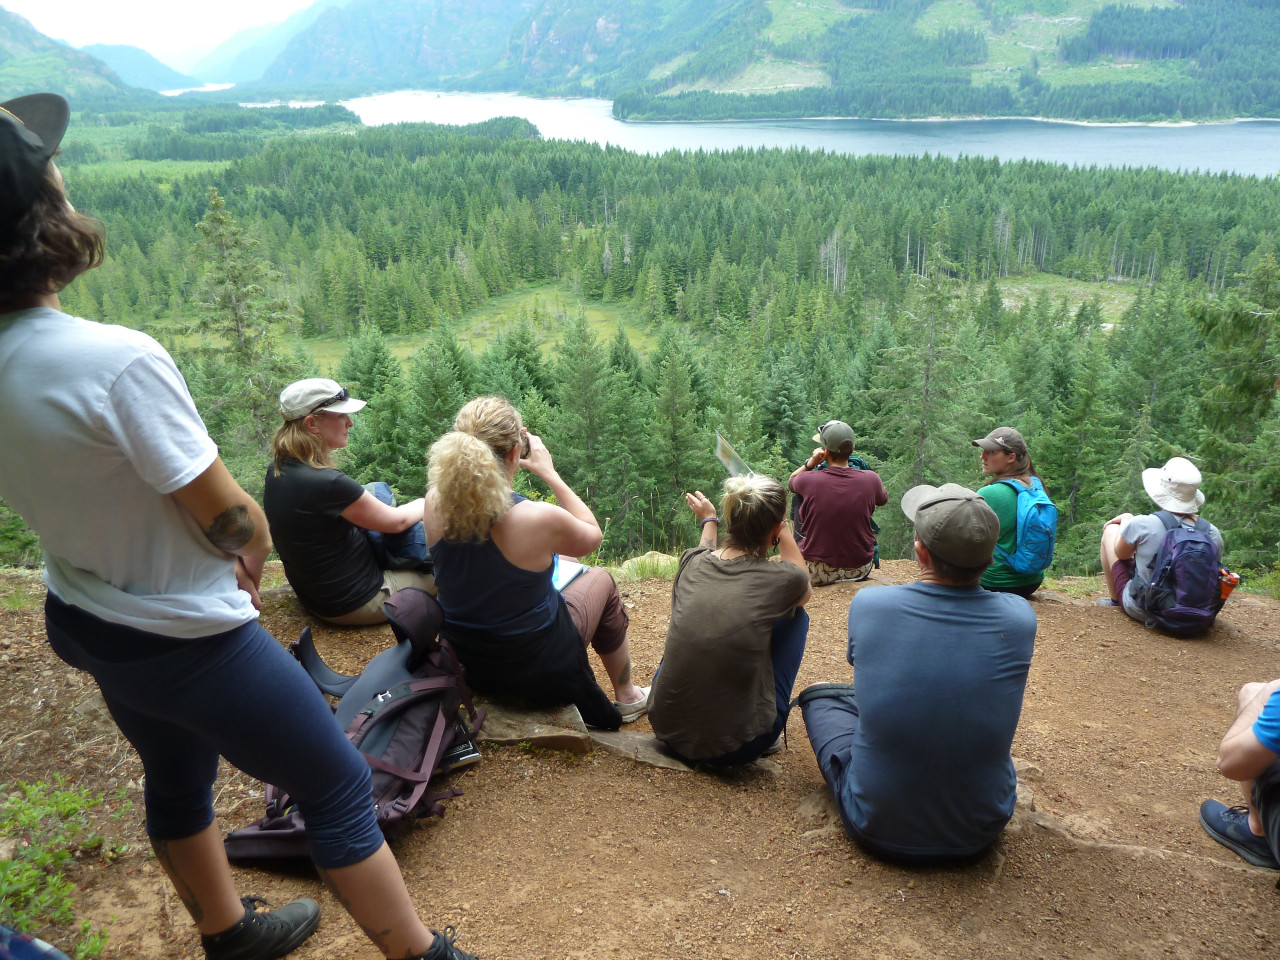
column 48, row 248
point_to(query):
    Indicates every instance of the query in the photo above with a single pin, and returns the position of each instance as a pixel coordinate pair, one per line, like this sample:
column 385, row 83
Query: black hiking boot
column 264, row 936
column 443, row 947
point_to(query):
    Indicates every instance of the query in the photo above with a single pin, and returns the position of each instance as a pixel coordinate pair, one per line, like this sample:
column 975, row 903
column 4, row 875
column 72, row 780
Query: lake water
column 1243, row 147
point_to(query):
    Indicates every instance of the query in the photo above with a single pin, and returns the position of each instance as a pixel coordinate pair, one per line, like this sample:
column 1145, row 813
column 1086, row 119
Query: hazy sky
column 178, row 32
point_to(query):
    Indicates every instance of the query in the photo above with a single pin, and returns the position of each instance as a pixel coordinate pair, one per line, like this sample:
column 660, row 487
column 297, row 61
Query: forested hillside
column 30, row 61
column 777, row 290
column 916, row 58
column 397, row 42
column 246, row 56
column 746, row 59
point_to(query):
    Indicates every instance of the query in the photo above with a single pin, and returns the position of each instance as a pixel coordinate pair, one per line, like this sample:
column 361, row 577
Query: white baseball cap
column 317, row 394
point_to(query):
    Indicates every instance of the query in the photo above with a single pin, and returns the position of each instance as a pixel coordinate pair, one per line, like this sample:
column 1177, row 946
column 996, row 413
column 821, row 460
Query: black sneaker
column 1230, row 827
column 264, row 936
column 443, row 947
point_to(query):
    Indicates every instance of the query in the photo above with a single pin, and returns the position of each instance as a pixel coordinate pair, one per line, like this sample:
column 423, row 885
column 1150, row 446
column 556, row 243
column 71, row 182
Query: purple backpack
column 1185, row 594
column 404, row 713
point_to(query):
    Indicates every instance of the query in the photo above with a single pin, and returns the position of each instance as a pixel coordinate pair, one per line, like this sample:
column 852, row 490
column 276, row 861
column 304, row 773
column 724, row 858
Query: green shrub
column 19, row 547
column 47, row 828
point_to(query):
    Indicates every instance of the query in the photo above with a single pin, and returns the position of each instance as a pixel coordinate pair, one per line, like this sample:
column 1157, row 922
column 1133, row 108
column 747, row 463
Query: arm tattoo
column 231, row 529
column 185, row 893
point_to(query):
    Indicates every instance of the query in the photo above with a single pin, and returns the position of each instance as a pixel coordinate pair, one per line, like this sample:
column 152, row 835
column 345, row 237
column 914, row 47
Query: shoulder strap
column 327, row 679
column 1168, row 519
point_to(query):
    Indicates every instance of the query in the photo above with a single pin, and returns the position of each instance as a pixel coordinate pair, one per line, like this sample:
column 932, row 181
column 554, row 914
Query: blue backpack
column 1185, row 593
column 1037, row 529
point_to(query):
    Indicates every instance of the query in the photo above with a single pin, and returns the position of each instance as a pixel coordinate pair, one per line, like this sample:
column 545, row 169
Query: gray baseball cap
column 953, row 522
column 836, row 436
column 1003, row 438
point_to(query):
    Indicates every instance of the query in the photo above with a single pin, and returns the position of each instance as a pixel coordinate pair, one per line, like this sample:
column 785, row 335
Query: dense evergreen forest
column 780, row 289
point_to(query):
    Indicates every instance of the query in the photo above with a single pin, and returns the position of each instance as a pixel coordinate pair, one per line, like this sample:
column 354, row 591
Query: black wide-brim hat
column 31, row 128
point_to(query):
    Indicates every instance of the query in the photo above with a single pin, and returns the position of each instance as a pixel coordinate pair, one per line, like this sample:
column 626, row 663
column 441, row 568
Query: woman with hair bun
column 493, row 553
column 737, row 631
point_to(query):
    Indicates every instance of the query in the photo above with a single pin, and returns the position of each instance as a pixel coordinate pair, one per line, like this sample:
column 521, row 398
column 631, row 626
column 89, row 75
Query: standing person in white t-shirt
column 153, row 557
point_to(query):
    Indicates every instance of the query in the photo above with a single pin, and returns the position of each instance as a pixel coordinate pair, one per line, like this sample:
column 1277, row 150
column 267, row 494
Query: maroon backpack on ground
column 403, row 712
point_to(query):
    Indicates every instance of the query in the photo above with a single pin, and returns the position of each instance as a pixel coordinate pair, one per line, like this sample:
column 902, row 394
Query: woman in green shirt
column 1005, row 457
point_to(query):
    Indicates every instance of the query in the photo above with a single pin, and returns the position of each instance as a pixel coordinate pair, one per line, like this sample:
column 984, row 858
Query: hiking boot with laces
column 264, row 936
column 444, row 948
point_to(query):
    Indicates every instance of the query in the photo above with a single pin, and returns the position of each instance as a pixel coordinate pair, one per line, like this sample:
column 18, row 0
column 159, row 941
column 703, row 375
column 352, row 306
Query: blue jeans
column 183, row 703
column 786, row 650
column 1266, row 799
column 831, row 720
column 397, row 551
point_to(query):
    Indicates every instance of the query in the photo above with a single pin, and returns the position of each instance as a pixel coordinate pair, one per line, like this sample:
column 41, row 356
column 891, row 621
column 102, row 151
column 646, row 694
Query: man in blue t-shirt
column 1250, row 753
column 916, row 749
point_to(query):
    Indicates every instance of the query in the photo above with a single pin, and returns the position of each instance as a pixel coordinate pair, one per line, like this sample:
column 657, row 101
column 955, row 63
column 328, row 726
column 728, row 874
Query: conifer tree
column 241, row 367
column 369, row 371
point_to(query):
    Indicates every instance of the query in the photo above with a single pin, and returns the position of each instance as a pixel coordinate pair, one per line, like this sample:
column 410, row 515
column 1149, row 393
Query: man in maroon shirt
column 835, row 515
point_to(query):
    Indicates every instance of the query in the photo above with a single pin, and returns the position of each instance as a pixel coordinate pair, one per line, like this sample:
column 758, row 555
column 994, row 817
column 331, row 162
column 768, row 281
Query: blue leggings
column 239, row 694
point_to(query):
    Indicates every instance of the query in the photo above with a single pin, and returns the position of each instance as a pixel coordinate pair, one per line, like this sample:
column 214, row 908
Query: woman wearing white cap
column 327, row 528
column 153, row 555
column 1130, row 544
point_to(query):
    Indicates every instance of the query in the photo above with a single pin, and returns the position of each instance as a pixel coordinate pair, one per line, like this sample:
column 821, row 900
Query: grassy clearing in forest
column 1034, row 30
column 1113, row 296
column 1108, row 70
column 770, row 76
column 162, row 171
column 951, row 15
column 795, row 19
column 546, row 306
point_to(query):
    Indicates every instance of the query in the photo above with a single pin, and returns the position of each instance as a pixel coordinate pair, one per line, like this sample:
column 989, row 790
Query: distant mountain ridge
column 399, row 41
column 604, row 46
column 138, row 68
column 247, row 55
column 30, row 61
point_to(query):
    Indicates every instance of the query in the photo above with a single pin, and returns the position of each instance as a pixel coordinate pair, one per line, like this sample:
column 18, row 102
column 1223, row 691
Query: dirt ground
column 558, row 855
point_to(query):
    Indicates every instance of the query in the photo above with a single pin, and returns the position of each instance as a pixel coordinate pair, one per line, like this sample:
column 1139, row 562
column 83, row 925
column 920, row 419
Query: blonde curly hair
column 466, row 468
column 752, row 506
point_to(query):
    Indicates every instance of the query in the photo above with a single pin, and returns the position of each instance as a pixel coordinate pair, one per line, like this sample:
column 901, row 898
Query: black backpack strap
column 464, row 690
column 327, row 679
column 416, row 616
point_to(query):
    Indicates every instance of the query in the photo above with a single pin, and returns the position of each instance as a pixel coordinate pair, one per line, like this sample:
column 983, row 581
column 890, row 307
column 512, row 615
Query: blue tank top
column 480, row 589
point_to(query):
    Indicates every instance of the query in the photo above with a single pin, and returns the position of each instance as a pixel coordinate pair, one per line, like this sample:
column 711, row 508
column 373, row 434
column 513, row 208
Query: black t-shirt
column 328, row 560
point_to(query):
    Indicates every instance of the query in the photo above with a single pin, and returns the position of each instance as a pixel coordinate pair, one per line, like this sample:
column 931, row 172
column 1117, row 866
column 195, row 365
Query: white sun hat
column 1175, row 486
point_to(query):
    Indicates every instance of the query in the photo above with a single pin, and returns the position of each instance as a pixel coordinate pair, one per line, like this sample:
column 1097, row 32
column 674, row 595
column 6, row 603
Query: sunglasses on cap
column 338, row 397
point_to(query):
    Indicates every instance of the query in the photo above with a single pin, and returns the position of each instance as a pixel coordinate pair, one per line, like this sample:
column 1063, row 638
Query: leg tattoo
column 185, row 894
